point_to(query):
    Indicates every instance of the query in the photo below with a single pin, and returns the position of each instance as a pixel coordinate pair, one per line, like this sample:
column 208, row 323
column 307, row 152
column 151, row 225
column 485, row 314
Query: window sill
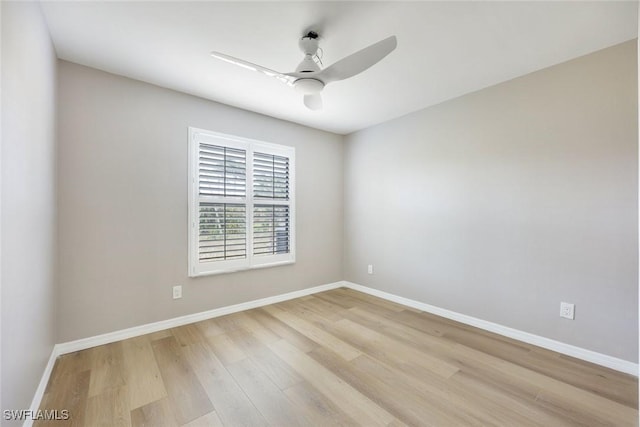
column 237, row 270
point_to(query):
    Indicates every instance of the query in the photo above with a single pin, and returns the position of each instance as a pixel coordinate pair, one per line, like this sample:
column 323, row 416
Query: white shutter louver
column 271, row 229
column 222, row 231
column 222, row 171
column 270, row 177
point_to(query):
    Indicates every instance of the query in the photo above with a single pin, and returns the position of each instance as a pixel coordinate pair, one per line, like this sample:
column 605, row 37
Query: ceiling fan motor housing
column 309, row 46
column 308, row 65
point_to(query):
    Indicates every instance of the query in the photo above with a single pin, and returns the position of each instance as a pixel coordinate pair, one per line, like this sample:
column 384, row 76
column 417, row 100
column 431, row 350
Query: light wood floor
column 335, row 358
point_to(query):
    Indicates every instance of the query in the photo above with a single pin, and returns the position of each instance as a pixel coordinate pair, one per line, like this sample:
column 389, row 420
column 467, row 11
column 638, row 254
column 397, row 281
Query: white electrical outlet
column 567, row 310
column 177, row 292
column 370, row 269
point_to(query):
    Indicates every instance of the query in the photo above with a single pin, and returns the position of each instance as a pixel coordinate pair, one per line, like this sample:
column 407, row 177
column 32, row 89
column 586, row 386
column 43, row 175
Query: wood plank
column 187, row 334
column 576, row 415
column 488, row 400
column 187, row 398
column 110, row 408
column 393, row 351
column 210, row 328
column 300, row 309
column 107, row 368
column 443, row 349
column 407, row 403
column 141, row 372
column 159, row 335
column 346, row 299
column 313, row 310
column 373, row 302
column 266, row 396
column 320, row 307
column 314, row 333
column 208, row 420
column 344, row 396
column 250, row 324
column 154, row 414
column 410, row 336
column 69, row 391
column 228, row 322
column 226, row 349
column 553, row 390
column 613, row 385
column 67, row 364
column 319, row 409
column 283, row 330
column 270, row 364
column 469, row 336
column 232, row 405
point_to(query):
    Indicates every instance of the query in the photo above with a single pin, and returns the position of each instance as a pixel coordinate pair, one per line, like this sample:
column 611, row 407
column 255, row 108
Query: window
column 241, row 203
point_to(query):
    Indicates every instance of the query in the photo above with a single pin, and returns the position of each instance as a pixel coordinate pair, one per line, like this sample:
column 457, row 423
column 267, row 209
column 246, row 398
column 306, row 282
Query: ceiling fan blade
column 313, row 101
column 359, row 61
column 253, row 67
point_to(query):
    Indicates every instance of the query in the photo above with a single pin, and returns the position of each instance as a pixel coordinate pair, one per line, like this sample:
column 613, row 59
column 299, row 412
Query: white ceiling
column 445, row 49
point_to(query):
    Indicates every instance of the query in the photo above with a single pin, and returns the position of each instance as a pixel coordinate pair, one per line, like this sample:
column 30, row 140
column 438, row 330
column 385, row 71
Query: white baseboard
column 557, row 346
column 85, row 343
column 42, row 386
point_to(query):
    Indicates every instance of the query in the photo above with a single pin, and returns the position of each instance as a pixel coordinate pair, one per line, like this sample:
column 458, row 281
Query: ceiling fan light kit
column 308, row 86
column 309, row 79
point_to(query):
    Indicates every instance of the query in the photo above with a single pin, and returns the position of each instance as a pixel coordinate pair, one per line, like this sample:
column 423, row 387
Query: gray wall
column 123, row 204
column 502, row 203
column 28, row 201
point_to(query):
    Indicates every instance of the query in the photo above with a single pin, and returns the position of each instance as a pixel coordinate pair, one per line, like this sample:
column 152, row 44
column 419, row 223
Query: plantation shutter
column 222, row 226
column 241, row 203
column 271, row 217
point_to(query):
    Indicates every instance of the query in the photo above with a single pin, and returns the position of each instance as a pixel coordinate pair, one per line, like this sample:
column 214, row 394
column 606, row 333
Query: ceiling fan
column 308, row 78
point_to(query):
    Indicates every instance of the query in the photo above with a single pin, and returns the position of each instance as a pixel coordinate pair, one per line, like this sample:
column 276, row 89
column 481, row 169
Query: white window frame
column 197, row 268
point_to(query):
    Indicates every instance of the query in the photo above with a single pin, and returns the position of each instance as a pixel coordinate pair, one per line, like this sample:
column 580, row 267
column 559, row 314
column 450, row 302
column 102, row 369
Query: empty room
column 319, row 213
